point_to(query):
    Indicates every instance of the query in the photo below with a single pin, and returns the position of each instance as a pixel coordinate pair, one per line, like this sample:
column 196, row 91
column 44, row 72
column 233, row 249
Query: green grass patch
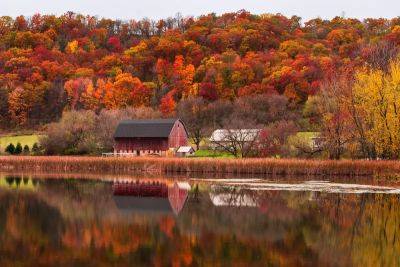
column 202, row 153
column 23, row 139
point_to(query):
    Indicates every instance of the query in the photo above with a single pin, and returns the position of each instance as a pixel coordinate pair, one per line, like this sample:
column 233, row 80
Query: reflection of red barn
column 137, row 189
column 150, row 196
column 177, row 195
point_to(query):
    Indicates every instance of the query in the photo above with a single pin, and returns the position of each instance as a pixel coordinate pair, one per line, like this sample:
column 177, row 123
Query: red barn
column 150, row 137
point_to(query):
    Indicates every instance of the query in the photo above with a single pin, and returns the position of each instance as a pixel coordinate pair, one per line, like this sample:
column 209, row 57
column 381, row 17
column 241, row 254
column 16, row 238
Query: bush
column 273, row 139
column 18, row 149
column 26, row 149
column 10, row 149
column 71, row 134
column 35, row 149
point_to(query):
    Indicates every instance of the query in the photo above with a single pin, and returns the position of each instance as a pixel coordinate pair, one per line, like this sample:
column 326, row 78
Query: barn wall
column 144, row 145
column 178, row 136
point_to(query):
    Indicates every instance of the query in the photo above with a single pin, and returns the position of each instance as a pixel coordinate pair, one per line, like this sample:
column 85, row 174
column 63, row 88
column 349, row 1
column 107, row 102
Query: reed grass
column 204, row 166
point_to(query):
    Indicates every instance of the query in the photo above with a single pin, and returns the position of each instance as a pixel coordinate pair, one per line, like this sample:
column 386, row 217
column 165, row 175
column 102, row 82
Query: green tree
column 35, row 148
column 18, row 149
column 26, row 149
column 10, row 149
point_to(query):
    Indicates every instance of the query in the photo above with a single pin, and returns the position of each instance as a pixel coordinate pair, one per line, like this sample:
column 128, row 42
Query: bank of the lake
column 286, row 167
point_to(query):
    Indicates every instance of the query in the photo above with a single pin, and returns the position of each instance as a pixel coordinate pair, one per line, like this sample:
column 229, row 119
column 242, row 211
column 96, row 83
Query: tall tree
column 194, row 113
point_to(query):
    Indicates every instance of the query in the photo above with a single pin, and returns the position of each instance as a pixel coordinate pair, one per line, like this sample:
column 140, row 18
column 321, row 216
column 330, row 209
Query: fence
column 118, row 154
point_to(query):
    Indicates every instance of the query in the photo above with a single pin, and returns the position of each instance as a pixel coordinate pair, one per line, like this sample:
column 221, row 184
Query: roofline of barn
column 151, row 121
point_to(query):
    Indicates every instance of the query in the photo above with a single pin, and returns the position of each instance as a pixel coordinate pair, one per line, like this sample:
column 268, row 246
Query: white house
column 226, row 137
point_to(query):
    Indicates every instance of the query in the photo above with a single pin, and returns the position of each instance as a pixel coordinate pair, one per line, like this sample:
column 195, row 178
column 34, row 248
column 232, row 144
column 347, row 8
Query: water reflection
column 233, row 197
column 309, row 186
column 80, row 223
column 154, row 196
column 17, row 182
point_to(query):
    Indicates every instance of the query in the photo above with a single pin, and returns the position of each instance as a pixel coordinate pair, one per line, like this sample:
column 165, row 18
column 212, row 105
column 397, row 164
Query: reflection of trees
column 10, row 180
column 77, row 220
column 18, row 182
column 27, row 226
column 377, row 234
column 363, row 227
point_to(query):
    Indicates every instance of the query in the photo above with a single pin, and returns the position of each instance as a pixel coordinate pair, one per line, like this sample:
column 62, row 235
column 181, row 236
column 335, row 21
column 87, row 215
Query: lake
column 156, row 221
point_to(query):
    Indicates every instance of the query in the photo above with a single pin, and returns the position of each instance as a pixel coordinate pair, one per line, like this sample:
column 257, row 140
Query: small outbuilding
column 185, row 151
column 161, row 137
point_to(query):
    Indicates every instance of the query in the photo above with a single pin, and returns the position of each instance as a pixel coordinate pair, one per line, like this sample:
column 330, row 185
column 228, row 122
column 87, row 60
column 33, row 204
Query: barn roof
column 145, row 128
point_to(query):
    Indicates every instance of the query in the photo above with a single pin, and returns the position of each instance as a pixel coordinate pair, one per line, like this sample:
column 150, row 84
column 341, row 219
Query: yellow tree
column 72, row 47
column 376, row 94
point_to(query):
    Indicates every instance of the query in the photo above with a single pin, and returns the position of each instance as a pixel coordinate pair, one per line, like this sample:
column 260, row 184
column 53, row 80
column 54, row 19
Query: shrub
column 70, row 135
column 26, row 149
column 18, row 149
column 273, row 139
column 35, row 148
column 10, row 149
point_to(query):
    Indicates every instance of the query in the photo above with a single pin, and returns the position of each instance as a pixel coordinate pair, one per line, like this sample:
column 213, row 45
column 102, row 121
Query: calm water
column 166, row 222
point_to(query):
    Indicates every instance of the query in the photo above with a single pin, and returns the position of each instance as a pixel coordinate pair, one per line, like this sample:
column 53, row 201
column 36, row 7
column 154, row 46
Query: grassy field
column 23, row 139
column 203, row 153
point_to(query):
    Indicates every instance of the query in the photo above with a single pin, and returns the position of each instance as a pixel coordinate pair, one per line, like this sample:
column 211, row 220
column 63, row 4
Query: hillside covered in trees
column 49, row 64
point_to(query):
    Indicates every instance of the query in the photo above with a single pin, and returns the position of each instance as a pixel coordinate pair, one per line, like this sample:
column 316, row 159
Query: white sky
column 155, row 9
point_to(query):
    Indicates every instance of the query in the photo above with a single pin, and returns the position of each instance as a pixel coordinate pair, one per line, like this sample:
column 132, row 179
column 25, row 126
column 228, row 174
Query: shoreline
column 198, row 166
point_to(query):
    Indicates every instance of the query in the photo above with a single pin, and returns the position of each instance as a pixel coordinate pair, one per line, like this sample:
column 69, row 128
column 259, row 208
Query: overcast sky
column 155, row 9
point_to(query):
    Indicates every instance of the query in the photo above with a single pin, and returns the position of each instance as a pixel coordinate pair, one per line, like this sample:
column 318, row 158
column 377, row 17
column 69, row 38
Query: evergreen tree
column 10, row 149
column 35, row 148
column 18, row 149
column 26, row 149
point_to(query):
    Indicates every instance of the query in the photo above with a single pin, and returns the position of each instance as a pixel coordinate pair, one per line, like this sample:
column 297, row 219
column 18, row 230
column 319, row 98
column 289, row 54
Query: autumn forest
column 52, row 64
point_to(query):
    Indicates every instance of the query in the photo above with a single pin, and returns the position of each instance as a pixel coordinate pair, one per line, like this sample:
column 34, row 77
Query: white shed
column 185, row 151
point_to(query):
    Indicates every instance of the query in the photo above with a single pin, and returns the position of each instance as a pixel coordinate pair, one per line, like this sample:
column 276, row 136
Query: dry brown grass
column 289, row 167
